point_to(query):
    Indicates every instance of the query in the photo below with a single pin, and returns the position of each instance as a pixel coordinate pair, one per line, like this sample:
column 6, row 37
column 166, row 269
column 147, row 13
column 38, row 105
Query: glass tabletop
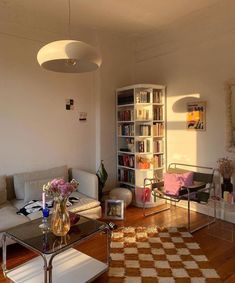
column 31, row 235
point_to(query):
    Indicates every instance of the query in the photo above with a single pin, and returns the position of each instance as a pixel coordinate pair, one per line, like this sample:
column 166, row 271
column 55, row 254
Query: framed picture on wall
column 114, row 209
column 196, row 116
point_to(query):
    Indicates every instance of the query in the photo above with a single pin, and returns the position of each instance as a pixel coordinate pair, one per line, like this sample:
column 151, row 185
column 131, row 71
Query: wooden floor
column 220, row 252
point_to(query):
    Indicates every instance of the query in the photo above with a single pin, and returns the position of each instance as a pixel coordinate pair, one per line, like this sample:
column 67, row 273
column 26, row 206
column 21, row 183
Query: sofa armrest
column 88, row 182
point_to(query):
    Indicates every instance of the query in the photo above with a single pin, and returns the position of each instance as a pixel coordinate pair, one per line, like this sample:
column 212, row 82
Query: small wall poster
column 196, row 115
column 82, row 116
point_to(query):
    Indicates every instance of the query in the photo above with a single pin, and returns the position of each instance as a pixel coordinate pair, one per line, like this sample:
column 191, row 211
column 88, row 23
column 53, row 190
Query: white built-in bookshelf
column 141, row 139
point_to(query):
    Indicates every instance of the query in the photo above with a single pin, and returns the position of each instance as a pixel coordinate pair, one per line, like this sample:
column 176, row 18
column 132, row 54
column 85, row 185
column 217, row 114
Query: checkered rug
column 158, row 255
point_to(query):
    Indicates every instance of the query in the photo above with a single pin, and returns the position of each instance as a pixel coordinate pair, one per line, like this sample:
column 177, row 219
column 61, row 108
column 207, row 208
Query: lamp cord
column 69, row 23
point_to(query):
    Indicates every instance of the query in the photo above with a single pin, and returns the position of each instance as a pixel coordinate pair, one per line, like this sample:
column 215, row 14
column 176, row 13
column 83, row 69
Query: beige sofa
column 18, row 189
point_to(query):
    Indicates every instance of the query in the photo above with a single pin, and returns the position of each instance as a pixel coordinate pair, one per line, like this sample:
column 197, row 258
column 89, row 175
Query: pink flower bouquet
column 59, row 188
column 225, row 167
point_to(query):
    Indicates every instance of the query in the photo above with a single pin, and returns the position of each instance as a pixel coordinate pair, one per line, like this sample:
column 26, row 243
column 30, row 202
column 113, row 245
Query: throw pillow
column 173, row 182
column 186, row 179
column 3, row 190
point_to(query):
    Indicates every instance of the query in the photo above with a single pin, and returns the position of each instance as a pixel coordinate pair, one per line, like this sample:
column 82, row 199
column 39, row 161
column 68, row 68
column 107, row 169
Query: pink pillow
column 186, row 179
column 173, row 182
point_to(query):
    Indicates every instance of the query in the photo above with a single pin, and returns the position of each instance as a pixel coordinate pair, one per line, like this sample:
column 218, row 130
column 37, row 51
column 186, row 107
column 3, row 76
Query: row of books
column 145, row 130
column 158, row 146
column 158, row 113
column 126, row 130
column 158, row 161
column 158, row 129
column 126, row 97
column 142, row 114
column 157, row 96
column 126, row 115
column 143, row 146
column 127, row 176
column 143, row 96
column 126, row 160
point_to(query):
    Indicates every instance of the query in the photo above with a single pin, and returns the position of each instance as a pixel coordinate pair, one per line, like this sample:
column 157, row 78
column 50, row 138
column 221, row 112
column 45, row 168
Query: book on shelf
column 143, row 96
column 158, row 129
column 126, row 160
column 126, row 97
column 127, row 176
column 142, row 114
column 158, row 161
column 145, row 130
column 126, row 115
column 126, row 130
column 143, row 146
column 158, row 113
column 157, row 96
column 158, row 146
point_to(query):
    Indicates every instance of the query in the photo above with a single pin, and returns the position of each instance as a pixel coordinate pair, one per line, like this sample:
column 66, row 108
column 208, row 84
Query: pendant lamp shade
column 69, row 56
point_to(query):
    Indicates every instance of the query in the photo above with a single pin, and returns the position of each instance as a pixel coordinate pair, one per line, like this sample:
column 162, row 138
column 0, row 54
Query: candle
column 43, row 201
column 226, row 194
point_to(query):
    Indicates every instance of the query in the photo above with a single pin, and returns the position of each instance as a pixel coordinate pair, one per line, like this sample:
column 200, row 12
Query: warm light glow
column 182, row 144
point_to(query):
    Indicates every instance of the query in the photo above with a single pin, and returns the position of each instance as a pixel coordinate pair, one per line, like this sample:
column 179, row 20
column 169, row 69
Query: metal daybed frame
column 202, row 182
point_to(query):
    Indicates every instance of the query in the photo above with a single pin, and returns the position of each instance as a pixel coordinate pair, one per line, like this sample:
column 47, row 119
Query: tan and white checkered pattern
column 158, row 255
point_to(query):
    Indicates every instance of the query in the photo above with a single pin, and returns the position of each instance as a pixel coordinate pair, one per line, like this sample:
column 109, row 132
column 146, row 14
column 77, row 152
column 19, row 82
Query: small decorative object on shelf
column 60, row 191
column 226, row 169
column 143, row 162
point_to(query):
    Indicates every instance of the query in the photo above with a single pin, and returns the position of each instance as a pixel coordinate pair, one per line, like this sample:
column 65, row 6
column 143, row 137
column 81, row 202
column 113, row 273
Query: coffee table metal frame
column 48, row 258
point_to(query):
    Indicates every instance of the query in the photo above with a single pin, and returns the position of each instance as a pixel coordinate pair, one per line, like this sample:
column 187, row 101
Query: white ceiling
column 128, row 17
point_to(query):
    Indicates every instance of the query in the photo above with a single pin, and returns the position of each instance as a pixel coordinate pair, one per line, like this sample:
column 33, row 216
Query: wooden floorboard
column 220, row 252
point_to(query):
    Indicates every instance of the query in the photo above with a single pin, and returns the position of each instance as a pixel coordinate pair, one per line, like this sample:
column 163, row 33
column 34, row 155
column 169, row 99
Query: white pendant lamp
column 69, row 56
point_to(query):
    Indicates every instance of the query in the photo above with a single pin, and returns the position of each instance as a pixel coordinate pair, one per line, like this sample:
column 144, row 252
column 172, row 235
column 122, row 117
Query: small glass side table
column 222, row 228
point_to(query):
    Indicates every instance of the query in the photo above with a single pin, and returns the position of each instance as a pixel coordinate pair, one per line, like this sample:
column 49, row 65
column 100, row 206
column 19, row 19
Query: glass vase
column 60, row 222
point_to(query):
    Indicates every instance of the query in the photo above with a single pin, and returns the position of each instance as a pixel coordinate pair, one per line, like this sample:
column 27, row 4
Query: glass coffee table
column 57, row 260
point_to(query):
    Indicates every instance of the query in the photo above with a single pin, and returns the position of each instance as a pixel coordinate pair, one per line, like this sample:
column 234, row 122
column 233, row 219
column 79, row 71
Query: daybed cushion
column 20, row 179
column 84, row 203
column 3, row 191
column 85, row 206
column 9, row 218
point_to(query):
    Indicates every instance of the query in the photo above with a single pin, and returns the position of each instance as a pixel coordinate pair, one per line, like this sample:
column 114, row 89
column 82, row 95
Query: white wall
column 116, row 72
column 36, row 130
column 192, row 57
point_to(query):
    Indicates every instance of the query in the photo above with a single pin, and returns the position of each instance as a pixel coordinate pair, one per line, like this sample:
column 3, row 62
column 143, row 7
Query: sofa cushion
column 3, row 191
column 21, row 178
column 84, row 203
column 9, row 218
column 33, row 189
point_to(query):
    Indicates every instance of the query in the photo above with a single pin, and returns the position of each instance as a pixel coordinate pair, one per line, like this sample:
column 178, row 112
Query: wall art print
column 196, row 115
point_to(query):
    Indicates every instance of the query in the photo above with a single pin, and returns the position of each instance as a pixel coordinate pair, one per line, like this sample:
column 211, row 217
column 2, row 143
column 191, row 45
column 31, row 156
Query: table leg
column 45, row 267
column 49, row 268
column 4, row 254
